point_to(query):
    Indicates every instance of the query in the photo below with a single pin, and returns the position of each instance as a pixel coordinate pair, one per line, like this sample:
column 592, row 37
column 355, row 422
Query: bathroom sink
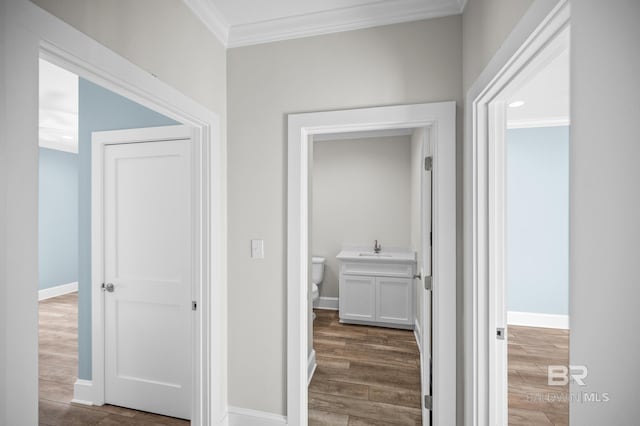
column 372, row 254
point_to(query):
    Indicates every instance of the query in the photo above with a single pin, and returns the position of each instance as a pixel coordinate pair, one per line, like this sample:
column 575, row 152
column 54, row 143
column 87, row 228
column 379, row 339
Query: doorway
column 518, row 179
column 71, row 108
column 366, row 334
column 439, row 118
column 34, row 33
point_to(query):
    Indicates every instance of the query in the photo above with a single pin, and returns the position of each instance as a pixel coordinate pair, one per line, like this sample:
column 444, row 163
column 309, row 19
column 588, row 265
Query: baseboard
column 83, row 392
column 329, row 303
column 59, row 290
column 246, row 417
column 531, row 319
column 311, row 365
column 417, row 333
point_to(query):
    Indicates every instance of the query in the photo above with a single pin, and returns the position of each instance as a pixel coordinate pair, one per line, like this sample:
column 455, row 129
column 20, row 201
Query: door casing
column 484, row 213
column 440, row 119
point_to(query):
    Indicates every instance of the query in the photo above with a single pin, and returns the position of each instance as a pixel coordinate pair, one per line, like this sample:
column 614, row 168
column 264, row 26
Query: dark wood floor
column 531, row 400
column 58, row 353
column 365, row 375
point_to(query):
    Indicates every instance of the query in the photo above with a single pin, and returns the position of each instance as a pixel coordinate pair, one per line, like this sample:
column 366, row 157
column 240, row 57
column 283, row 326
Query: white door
column 148, row 275
column 425, row 264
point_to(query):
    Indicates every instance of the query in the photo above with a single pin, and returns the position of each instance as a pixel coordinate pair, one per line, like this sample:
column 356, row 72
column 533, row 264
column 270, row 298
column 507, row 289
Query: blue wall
column 99, row 109
column 57, row 218
column 538, row 220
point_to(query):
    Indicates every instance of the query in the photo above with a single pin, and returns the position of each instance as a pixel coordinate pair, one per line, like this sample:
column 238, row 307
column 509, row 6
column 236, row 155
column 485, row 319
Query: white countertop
column 367, row 254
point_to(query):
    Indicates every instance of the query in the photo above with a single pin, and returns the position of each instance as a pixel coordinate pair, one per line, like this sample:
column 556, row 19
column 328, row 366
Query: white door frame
column 440, row 119
column 29, row 33
column 99, row 141
column 484, row 218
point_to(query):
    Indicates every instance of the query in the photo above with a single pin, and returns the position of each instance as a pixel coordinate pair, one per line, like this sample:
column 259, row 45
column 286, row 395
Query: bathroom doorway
column 365, row 339
column 437, row 121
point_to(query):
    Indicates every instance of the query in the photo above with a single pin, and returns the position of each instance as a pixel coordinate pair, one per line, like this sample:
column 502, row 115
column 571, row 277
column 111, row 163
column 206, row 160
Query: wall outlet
column 257, row 249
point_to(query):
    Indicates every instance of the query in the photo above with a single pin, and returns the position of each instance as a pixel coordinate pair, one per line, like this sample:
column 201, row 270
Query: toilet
column 317, row 275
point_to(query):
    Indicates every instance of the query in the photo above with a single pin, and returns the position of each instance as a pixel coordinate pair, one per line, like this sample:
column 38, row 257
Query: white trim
column 211, row 17
column 337, row 20
column 417, row 333
column 542, row 122
column 59, row 290
column 439, row 118
column 311, row 365
column 349, row 18
column 532, row 319
column 385, row 133
column 542, row 22
column 328, row 303
column 31, row 32
column 246, row 417
column 83, row 392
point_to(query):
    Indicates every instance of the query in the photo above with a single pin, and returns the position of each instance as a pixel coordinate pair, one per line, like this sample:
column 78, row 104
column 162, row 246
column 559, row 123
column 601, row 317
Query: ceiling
column 58, row 108
column 545, row 93
column 245, row 22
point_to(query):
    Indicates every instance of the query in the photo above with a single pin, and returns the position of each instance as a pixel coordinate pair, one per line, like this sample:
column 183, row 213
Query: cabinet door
column 357, row 298
column 394, row 302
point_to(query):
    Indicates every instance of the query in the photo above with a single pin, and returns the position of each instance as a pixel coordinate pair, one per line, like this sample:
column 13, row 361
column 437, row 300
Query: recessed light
column 516, row 104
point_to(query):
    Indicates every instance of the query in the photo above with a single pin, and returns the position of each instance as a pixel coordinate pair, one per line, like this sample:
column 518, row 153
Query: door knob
column 109, row 287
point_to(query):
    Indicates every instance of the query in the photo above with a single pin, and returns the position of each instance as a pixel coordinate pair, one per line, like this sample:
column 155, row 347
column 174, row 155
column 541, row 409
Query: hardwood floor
column 365, row 375
column 531, row 400
column 371, row 375
column 58, row 357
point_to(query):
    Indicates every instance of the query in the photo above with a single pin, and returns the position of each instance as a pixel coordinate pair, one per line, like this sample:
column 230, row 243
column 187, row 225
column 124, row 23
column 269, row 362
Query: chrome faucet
column 377, row 247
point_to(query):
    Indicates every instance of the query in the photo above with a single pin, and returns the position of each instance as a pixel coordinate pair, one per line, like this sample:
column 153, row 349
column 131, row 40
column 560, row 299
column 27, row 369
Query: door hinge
column 428, row 163
column 500, row 333
column 428, row 283
column 194, row 305
column 428, row 402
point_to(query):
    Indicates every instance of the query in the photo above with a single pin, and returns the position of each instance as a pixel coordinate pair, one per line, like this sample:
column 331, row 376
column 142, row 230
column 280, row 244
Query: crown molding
column 338, row 20
column 211, row 17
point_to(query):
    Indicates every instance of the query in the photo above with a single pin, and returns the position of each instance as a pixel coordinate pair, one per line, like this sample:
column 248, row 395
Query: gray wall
column 485, row 25
column 538, row 220
column 57, row 218
column 361, row 193
column 396, row 64
column 605, row 207
column 5, row 387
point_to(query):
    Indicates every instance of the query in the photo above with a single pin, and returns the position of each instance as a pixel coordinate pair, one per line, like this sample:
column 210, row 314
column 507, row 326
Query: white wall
column 396, row 64
column 605, row 207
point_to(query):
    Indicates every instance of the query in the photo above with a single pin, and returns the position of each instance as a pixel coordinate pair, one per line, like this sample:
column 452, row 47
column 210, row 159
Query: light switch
column 257, row 249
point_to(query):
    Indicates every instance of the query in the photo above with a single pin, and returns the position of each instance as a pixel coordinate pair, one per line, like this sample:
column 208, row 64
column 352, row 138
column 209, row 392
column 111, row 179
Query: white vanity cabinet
column 376, row 289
